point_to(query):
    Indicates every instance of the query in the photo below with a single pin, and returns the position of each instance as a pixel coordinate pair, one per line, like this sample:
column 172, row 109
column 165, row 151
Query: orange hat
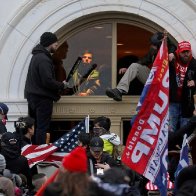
column 76, row 161
column 184, row 45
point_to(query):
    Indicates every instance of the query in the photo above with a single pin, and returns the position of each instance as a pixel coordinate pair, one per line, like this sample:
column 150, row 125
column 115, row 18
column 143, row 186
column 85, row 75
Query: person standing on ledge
column 42, row 88
column 140, row 69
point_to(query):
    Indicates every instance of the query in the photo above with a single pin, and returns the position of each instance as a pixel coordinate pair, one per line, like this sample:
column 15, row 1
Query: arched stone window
column 113, row 39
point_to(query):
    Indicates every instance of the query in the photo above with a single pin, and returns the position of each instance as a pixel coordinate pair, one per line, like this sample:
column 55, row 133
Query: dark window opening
column 126, row 130
column 61, row 127
column 132, row 44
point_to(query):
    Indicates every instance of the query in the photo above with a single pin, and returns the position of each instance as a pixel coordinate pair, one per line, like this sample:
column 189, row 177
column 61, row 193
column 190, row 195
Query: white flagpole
column 87, row 123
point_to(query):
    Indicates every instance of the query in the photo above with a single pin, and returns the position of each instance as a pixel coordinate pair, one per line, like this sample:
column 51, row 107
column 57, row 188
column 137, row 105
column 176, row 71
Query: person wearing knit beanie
column 141, row 68
column 47, row 39
column 2, row 163
column 43, row 88
column 157, row 38
column 76, row 161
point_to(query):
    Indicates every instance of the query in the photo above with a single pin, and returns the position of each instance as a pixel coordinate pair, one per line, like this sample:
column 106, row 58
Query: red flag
column 146, row 146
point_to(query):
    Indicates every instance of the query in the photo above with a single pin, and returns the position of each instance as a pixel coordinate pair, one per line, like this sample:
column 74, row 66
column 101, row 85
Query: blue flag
column 184, row 158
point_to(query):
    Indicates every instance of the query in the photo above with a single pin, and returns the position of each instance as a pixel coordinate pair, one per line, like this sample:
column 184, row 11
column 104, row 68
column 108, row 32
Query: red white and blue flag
column 184, row 159
column 184, row 156
column 57, row 150
column 151, row 187
column 146, row 147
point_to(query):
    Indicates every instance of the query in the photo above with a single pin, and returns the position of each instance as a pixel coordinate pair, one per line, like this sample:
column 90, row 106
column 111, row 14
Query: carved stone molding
column 75, row 107
column 78, row 107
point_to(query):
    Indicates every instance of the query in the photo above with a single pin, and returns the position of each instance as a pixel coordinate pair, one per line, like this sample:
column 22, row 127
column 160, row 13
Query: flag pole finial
column 165, row 33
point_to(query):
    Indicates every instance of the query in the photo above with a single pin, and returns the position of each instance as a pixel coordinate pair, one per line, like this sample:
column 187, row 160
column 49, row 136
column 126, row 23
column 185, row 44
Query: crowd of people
column 94, row 167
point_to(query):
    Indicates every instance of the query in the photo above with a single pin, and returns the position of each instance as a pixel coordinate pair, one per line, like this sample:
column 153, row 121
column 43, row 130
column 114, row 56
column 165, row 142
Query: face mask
column 97, row 131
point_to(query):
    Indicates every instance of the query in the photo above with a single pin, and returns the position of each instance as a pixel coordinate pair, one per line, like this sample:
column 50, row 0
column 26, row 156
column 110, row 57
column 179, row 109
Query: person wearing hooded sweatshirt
column 41, row 87
column 140, row 69
column 15, row 162
column 24, row 127
column 182, row 71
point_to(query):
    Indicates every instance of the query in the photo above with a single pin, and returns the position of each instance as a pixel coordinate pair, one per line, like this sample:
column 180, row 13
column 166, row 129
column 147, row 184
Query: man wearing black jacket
column 182, row 78
column 98, row 161
column 141, row 69
column 41, row 87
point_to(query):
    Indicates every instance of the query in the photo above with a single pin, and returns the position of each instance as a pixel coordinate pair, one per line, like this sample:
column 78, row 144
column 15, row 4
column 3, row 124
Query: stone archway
column 29, row 21
column 60, row 13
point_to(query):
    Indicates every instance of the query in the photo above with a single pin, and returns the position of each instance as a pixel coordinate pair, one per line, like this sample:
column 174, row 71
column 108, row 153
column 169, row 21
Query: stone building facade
column 23, row 21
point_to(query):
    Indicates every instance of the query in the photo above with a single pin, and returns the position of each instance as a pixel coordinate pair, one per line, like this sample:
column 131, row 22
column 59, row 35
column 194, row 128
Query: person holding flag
column 141, row 69
column 186, row 181
column 146, row 146
column 55, row 151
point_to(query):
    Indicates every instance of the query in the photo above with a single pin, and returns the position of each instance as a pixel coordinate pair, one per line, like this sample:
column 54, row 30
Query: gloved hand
column 66, row 84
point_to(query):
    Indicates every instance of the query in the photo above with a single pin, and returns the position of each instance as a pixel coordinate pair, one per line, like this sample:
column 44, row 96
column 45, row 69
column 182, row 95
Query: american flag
column 55, row 151
column 70, row 140
column 151, row 187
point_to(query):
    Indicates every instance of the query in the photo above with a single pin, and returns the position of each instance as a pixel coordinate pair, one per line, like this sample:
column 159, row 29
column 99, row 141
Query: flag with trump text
column 146, row 146
column 56, row 150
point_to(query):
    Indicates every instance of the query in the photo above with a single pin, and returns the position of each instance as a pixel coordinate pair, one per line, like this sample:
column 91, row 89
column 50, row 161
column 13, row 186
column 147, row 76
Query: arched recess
column 114, row 18
column 62, row 17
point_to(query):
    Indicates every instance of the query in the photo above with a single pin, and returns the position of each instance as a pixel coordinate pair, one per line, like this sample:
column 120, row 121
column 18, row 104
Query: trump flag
column 146, row 146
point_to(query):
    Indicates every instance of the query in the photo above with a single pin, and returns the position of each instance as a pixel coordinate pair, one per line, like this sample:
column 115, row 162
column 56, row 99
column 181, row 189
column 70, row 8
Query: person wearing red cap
column 182, row 78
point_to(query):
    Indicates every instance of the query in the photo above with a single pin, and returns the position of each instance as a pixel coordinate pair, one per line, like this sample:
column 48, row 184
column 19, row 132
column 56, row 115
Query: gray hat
column 2, row 162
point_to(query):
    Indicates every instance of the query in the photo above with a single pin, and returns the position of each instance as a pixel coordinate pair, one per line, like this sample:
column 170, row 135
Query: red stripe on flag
column 55, row 157
column 143, row 151
column 37, row 153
